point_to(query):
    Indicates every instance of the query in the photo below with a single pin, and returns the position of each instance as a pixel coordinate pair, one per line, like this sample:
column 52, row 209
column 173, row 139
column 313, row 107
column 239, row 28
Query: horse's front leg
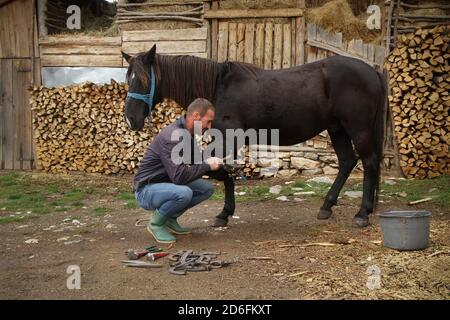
column 229, row 206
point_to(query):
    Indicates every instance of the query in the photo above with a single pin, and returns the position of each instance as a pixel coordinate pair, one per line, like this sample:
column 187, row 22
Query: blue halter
column 147, row 98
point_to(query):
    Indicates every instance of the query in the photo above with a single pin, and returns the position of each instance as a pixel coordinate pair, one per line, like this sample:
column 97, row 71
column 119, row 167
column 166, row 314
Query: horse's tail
column 379, row 132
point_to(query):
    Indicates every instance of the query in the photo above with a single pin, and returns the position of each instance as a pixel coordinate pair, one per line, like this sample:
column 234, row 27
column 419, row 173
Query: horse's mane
column 185, row 78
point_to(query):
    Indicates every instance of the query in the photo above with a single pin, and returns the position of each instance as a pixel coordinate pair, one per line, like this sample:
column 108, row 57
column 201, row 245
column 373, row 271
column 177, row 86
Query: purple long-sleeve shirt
column 157, row 165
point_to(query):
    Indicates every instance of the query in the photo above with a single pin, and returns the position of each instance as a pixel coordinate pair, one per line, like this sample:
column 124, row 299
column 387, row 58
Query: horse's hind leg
column 370, row 161
column 347, row 161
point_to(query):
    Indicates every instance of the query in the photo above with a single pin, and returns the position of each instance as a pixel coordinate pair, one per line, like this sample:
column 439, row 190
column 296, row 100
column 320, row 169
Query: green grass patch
column 20, row 192
column 437, row 188
column 101, row 211
column 299, row 184
column 126, row 196
column 129, row 198
column 132, row 204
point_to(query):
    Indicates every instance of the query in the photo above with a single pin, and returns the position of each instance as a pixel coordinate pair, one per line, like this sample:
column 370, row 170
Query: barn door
column 16, row 131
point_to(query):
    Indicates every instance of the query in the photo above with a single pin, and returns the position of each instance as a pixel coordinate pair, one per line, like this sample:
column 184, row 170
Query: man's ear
column 149, row 56
column 127, row 57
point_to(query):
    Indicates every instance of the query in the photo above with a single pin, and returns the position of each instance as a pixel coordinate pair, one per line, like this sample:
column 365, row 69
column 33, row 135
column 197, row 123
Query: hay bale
column 337, row 16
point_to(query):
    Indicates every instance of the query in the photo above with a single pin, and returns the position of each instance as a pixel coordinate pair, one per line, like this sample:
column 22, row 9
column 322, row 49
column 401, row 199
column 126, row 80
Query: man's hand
column 214, row 163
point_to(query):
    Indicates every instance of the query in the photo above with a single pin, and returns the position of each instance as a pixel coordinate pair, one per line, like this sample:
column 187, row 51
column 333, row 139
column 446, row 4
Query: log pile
column 420, row 84
column 81, row 128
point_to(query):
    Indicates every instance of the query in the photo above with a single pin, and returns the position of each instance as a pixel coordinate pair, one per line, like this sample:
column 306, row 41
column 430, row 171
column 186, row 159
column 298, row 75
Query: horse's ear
column 149, row 56
column 127, row 57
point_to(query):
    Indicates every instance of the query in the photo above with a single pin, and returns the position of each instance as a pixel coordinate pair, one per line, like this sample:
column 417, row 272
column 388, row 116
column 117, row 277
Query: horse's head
column 141, row 88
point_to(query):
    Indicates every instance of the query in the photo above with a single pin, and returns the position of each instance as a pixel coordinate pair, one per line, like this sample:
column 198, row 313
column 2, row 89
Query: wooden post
column 311, row 56
column 222, row 50
column 240, row 41
column 268, row 46
column 232, row 39
column 300, row 57
column 278, row 46
column 293, row 41
column 214, row 31
column 207, row 24
column 249, row 42
column 259, row 45
column 287, row 52
column 42, row 5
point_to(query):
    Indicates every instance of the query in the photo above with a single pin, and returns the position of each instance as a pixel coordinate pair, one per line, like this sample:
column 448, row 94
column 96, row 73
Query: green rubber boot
column 174, row 227
column 157, row 228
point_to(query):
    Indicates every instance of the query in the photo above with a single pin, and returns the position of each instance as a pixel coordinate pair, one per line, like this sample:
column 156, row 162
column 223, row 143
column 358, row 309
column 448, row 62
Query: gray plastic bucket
column 405, row 230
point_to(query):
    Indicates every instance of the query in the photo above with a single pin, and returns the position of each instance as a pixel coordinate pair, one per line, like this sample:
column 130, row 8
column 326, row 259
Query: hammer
column 133, row 255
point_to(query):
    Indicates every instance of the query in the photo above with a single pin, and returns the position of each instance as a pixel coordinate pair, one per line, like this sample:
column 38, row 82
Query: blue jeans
column 171, row 199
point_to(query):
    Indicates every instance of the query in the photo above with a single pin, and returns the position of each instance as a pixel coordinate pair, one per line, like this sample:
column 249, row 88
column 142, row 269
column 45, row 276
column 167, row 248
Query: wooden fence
column 322, row 44
column 266, row 44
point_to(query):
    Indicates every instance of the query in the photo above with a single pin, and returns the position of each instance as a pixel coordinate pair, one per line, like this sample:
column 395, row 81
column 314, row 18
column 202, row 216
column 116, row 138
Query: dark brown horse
column 342, row 95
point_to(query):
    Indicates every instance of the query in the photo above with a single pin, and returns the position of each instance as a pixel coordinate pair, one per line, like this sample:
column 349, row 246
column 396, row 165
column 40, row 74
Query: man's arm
column 181, row 173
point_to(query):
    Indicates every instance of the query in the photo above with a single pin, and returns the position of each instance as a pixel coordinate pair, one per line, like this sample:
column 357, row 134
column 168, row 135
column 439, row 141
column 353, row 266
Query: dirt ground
column 279, row 230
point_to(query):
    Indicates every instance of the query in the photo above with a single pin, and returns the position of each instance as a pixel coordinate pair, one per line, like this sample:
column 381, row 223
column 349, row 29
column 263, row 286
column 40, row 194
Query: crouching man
column 169, row 187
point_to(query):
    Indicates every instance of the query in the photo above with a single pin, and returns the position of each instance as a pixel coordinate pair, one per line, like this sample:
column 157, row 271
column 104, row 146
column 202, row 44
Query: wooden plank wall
column 16, row 134
column 265, row 44
column 172, row 42
column 81, row 51
column 17, row 46
column 16, row 40
column 106, row 52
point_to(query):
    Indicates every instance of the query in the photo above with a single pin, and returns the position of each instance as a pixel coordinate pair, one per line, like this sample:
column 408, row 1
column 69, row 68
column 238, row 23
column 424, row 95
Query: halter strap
column 147, row 98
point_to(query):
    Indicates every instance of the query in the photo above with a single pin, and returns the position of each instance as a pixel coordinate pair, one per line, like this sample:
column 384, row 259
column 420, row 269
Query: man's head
column 200, row 110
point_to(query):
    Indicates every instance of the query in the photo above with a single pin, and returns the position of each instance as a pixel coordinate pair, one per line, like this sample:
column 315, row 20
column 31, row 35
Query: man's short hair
column 201, row 106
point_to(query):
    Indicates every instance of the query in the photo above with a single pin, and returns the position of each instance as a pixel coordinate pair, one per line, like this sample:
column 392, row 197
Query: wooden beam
column 425, row 6
column 80, row 40
column 253, row 13
column 165, row 35
column 159, row 3
column 164, row 47
column 81, row 60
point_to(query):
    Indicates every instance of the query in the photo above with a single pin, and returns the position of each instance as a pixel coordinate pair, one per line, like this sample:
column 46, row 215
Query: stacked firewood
column 420, row 84
column 81, row 128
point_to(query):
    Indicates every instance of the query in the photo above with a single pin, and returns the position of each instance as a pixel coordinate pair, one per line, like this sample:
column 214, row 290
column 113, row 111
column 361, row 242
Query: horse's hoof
column 324, row 214
column 359, row 222
column 219, row 223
